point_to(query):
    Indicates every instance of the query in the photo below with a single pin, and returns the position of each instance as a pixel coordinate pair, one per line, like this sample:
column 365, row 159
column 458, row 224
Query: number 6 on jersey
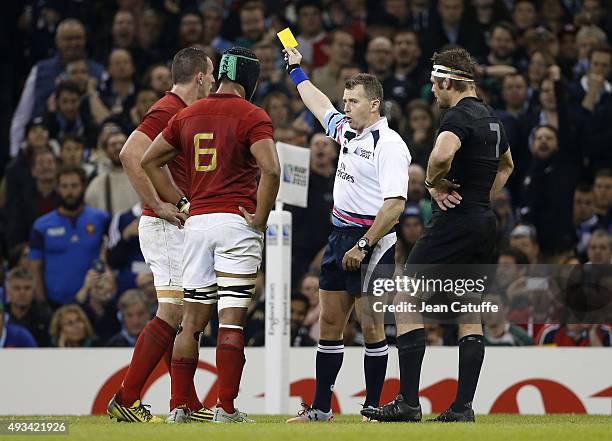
column 204, row 151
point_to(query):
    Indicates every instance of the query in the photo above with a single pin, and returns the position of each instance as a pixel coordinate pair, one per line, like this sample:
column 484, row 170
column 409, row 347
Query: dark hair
column 146, row 78
column 508, row 27
column 67, row 86
column 69, row 169
column 347, row 66
column 308, row 3
column 408, row 31
column 253, row 5
column 371, row 85
column 332, row 36
column 301, row 298
column 74, row 138
column 513, row 75
column 600, row 47
column 456, row 58
column 603, row 173
column 584, row 187
column 519, row 257
column 188, row 62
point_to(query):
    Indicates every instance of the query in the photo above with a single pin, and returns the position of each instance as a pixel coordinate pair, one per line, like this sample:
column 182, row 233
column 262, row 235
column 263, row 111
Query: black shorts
column 379, row 263
column 453, row 239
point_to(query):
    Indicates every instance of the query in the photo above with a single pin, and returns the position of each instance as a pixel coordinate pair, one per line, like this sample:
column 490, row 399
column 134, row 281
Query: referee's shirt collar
column 380, row 124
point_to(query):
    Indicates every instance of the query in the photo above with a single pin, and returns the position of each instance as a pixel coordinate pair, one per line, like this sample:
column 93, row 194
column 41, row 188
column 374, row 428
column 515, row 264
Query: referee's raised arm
column 315, row 100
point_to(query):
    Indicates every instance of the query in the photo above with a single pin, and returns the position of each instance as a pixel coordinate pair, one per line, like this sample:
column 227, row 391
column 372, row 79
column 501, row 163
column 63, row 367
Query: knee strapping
column 206, row 295
column 234, row 292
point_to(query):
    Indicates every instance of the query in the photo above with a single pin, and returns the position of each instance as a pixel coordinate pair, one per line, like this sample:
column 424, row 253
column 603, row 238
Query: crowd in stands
column 79, row 76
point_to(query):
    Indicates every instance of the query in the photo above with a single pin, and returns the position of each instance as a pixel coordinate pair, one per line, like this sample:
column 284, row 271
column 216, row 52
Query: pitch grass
column 349, row 427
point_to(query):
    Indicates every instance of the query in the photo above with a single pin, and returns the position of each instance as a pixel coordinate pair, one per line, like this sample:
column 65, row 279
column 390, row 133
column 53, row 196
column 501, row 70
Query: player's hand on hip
column 171, row 214
column 251, row 221
column 352, row 259
column 445, row 194
column 292, row 56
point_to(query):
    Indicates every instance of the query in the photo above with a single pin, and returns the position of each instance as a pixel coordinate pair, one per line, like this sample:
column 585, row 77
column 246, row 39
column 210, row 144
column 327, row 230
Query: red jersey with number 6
column 215, row 135
column 155, row 120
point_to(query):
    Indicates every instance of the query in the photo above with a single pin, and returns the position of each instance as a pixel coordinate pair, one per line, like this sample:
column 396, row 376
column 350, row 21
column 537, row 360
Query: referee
column 370, row 192
column 471, row 156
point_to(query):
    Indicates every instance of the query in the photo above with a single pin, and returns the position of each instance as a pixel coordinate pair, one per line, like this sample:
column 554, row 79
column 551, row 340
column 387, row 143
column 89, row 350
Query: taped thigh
column 169, row 294
column 206, row 296
column 235, row 292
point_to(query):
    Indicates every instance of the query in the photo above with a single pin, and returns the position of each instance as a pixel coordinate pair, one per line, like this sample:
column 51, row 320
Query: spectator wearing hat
column 410, row 229
column 13, row 335
column 70, row 41
column 524, row 238
column 133, row 316
column 23, row 309
column 65, row 243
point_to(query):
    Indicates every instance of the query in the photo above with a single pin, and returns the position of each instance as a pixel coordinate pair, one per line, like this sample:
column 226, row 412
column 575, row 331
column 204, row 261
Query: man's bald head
column 70, row 40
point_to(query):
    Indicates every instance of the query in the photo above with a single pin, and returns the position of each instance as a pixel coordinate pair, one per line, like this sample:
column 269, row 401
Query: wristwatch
column 183, row 205
column 363, row 245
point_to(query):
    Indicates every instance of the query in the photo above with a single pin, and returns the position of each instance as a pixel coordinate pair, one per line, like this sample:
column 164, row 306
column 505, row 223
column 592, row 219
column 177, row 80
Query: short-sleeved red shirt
column 215, row 135
column 156, row 120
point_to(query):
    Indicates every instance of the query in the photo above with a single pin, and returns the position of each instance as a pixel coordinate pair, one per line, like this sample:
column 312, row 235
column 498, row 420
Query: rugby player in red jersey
column 161, row 240
column 227, row 143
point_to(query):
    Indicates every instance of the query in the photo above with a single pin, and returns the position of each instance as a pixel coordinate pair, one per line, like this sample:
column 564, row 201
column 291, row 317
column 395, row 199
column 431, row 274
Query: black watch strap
column 291, row 67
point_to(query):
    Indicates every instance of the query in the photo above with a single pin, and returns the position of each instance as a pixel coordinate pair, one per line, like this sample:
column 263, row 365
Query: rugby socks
column 150, row 347
column 230, row 361
column 194, row 402
column 181, row 378
column 329, row 360
column 471, row 355
column 375, row 369
column 411, row 349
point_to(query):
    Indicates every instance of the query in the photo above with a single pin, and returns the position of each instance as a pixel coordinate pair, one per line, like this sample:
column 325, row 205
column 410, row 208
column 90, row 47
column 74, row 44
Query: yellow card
column 287, row 39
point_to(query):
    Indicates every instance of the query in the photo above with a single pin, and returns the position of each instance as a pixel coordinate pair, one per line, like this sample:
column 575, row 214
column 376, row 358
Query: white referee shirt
column 372, row 167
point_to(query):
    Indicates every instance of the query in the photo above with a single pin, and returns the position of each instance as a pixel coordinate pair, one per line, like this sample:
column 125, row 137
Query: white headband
column 440, row 71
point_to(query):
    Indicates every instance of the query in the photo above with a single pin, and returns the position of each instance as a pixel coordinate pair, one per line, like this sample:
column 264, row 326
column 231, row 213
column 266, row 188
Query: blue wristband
column 297, row 76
